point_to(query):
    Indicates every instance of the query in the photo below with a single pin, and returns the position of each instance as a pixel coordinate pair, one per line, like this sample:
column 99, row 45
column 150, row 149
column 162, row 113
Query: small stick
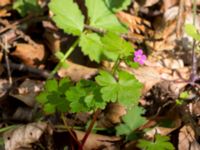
column 5, row 48
column 21, row 67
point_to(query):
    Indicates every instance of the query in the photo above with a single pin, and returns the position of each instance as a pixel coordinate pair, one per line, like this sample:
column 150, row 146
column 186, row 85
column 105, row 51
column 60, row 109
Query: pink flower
column 139, row 57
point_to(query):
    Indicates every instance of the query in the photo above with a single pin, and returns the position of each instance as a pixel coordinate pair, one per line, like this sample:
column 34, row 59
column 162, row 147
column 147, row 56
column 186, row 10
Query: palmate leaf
column 85, row 96
column 126, row 90
column 51, row 85
column 161, row 143
column 91, row 45
column 49, row 108
column 53, row 98
column 132, row 120
column 101, row 17
column 67, row 16
column 116, row 45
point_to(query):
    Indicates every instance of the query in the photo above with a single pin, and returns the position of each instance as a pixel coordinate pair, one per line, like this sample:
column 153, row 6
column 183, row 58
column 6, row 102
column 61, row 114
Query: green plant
column 25, row 7
column 132, row 120
column 98, row 35
column 126, row 90
column 192, row 31
column 161, row 143
column 99, row 38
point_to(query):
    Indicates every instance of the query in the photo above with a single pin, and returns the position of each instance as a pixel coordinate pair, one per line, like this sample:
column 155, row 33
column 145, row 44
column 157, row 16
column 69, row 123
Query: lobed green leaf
column 115, row 44
column 91, row 45
column 51, row 85
column 100, row 16
column 67, row 16
column 126, row 90
column 161, row 143
column 85, row 96
column 132, row 120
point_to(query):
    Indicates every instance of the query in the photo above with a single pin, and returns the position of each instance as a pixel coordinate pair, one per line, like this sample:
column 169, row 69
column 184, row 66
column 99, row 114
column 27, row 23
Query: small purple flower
column 139, row 57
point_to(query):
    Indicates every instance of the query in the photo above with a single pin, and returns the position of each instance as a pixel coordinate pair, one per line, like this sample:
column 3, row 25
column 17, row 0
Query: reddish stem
column 90, row 127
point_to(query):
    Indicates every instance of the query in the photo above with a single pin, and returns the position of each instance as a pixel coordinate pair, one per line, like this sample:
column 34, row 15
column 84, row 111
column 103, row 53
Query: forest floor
column 170, row 94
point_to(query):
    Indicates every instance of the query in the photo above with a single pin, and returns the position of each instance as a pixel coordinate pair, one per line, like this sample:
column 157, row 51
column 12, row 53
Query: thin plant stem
column 114, row 69
column 90, row 127
column 70, row 131
column 194, row 58
column 71, row 49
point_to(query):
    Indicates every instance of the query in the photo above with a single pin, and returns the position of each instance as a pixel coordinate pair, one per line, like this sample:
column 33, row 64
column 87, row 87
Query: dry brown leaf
column 186, row 139
column 172, row 115
column 96, row 141
column 171, row 13
column 196, row 108
column 171, row 63
column 30, row 55
column 5, row 2
column 4, row 86
column 189, row 3
column 27, row 91
column 111, row 115
column 147, row 3
column 135, row 23
column 52, row 37
column 24, row 136
column 4, row 13
column 155, row 73
column 53, row 41
column 169, row 3
column 77, row 72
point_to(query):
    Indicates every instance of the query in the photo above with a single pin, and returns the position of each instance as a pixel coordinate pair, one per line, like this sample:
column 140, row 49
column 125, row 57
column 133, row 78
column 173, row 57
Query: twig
column 194, row 58
column 14, row 27
column 125, row 36
column 97, row 30
column 5, row 48
column 21, row 67
column 180, row 18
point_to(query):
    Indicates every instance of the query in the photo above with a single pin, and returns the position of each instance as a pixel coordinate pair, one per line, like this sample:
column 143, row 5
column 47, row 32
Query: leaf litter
column 155, row 25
